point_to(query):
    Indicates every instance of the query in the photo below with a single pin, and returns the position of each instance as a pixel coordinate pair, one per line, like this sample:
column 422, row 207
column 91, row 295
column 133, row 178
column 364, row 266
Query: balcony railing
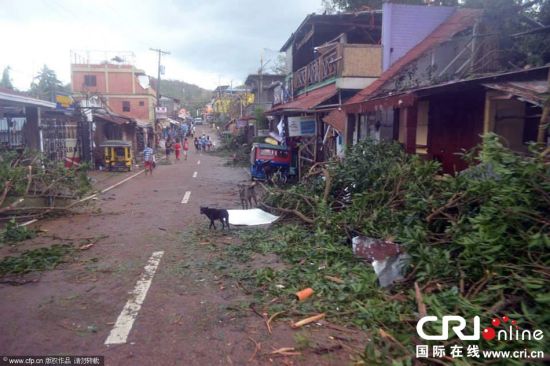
column 327, row 65
column 340, row 60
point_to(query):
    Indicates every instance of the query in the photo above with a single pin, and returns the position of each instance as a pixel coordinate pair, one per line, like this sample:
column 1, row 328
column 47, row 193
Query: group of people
column 203, row 143
column 177, row 147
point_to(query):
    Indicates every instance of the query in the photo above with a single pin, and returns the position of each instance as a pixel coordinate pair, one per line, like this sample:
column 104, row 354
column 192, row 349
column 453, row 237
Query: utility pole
column 160, row 52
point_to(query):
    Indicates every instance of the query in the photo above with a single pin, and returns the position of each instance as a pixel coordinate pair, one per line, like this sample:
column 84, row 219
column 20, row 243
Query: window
column 126, row 106
column 90, row 80
column 141, row 103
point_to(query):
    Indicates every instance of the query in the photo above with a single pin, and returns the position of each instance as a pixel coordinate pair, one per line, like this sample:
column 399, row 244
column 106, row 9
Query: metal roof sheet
column 8, row 97
column 531, row 91
column 337, row 119
column 261, row 145
column 115, row 143
column 306, row 102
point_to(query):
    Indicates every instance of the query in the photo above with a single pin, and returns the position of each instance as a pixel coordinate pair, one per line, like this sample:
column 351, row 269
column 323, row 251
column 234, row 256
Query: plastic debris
column 251, row 217
column 387, row 258
column 304, row 294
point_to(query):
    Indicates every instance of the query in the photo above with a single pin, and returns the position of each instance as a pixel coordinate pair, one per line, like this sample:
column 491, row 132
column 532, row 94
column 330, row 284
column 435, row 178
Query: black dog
column 216, row 214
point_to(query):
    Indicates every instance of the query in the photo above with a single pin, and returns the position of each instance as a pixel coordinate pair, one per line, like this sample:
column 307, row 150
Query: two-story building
column 262, row 86
column 443, row 94
column 123, row 88
column 331, row 58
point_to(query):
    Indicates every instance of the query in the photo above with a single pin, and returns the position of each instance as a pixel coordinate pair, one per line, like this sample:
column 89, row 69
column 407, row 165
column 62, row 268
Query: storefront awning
column 9, row 98
column 113, row 118
column 306, row 102
column 144, row 124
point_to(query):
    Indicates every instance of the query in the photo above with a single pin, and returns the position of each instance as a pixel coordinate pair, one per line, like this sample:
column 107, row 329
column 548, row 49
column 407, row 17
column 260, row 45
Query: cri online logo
column 510, row 330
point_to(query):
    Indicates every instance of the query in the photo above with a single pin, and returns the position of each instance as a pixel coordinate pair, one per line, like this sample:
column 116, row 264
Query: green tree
column 46, row 85
column 261, row 121
column 6, row 80
column 512, row 21
column 354, row 5
column 279, row 66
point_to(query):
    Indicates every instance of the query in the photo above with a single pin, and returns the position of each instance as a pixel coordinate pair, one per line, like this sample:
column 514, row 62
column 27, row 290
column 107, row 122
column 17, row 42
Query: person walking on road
column 177, row 149
column 148, row 158
column 168, row 148
column 196, row 142
column 185, row 148
column 202, row 142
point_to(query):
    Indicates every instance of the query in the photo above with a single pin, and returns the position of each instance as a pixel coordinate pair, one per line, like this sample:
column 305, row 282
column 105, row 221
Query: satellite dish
column 143, row 81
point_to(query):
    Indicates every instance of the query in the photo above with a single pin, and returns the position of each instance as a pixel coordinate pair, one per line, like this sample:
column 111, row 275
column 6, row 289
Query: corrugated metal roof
column 459, row 21
column 10, row 97
column 306, row 102
column 358, row 16
column 531, row 91
column 119, row 120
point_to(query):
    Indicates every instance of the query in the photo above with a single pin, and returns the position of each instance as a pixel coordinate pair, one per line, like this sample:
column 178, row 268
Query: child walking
column 177, row 149
column 185, row 148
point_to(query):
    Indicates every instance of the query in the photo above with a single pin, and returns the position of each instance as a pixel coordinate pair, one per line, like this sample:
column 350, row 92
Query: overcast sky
column 210, row 41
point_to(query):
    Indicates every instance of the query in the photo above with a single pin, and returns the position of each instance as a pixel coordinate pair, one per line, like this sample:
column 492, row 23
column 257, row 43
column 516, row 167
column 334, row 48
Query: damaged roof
column 307, row 102
column 362, row 18
column 10, row 98
column 533, row 91
column 461, row 20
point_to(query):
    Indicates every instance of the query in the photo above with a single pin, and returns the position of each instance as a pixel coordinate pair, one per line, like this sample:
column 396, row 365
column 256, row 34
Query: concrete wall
column 117, row 83
column 136, row 111
column 404, row 26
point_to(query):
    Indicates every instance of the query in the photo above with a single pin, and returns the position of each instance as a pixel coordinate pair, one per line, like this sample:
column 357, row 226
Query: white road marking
column 186, row 196
column 125, row 321
column 122, row 181
column 195, row 174
column 198, row 162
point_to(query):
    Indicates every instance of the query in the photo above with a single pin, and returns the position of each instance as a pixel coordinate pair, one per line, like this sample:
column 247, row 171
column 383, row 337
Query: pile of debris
column 476, row 243
column 31, row 186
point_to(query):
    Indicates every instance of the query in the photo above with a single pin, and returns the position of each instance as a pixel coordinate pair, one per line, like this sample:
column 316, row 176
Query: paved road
column 183, row 319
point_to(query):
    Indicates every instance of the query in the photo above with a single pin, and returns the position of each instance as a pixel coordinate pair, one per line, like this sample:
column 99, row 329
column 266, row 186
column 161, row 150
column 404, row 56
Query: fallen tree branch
column 420, row 301
column 294, row 212
column 271, row 318
column 257, row 348
column 7, row 188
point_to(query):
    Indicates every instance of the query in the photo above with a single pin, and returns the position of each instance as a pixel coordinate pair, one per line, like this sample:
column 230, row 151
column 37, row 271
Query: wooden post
column 410, row 126
column 488, row 115
column 543, row 126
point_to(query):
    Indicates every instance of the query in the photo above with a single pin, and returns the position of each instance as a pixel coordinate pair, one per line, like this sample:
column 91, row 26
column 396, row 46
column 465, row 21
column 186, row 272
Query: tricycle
column 271, row 163
column 117, row 155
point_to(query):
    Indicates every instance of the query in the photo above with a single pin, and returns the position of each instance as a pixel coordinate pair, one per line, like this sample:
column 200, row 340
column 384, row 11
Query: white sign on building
column 301, row 126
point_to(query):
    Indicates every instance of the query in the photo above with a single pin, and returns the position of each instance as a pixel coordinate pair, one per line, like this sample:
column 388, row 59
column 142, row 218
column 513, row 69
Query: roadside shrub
column 479, row 241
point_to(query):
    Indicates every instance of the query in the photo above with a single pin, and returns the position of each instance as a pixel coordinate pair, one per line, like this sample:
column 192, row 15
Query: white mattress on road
column 254, row 216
